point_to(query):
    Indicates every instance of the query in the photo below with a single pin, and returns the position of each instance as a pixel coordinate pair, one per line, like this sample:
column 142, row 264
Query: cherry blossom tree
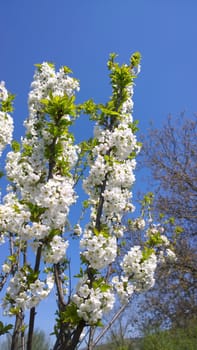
column 43, row 171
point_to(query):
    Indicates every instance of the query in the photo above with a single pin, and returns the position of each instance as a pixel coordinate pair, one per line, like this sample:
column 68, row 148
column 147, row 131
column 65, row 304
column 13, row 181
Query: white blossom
column 140, row 270
column 3, row 91
column 123, row 287
column 55, row 251
column 92, row 303
column 6, row 268
column 100, row 251
column 6, row 130
column 26, row 295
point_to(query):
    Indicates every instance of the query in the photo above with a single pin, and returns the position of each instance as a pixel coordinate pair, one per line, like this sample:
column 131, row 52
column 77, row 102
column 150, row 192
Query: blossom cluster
column 47, row 81
column 92, row 302
column 23, row 294
column 108, row 185
column 139, row 270
column 113, row 166
column 137, row 273
column 27, row 168
column 123, row 287
column 6, row 121
column 100, row 251
column 37, row 205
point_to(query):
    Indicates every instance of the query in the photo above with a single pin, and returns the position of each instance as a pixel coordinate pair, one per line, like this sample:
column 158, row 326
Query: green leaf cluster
column 7, row 105
column 134, row 126
column 146, row 253
column 70, row 315
column 15, row 310
column 178, row 230
column 15, row 146
column 100, row 284
column 121, row 77
column 57, row 106
column 5, row 328
column 87, row 146
column 27, row 150
column 35, row 210
column 103, row 230
column 147, row 199
column 12, row 258
column 135, row 59
column 155, row 240
column 54, row 232
column 31, row 275
column 67, row 70
column 89, row 107
column 86, row 204
column 16, row 208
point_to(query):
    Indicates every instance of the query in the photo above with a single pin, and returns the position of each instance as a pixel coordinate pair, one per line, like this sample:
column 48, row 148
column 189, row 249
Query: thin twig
column 108, row 326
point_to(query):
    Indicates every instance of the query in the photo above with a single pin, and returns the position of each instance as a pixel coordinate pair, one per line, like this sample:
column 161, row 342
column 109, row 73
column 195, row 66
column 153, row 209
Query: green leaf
column 135, row 59
column 15, row 310
column 112, row 56
column 5, row 328
column 108, row 112
column 111, row 60
column 155, row 239
column 16, row 208
column 172, row 220
column 12, row 258
column 67, row 70
column 99, row 324
column 89, row 107
column 133, row 126
column 96, row 231
column 7, row 105
column 58, row 106
column 80, row 274
column 148, row 199
column 27, row 150
column 86, row 204
column 35, row 210
column 70, row 315
column 178, row 230
column 38, row 66
column 15, row 146
column 104, row 288
column 147, row 252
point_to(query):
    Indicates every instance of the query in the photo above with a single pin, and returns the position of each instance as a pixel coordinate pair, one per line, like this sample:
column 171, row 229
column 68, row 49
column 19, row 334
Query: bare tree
column 171, row 156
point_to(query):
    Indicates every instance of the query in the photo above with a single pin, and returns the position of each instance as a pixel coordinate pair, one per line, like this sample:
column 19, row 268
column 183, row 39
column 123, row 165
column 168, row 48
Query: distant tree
column 40, row 341
column 171, row 155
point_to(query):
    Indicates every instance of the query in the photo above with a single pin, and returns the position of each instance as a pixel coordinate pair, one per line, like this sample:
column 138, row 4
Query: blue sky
column 82, row 33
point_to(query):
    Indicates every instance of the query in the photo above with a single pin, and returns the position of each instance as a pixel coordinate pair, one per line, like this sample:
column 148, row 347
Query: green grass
column 173, row 339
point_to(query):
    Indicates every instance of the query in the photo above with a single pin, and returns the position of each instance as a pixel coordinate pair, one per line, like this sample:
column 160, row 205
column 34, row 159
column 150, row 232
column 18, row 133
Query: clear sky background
column 82, row 33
